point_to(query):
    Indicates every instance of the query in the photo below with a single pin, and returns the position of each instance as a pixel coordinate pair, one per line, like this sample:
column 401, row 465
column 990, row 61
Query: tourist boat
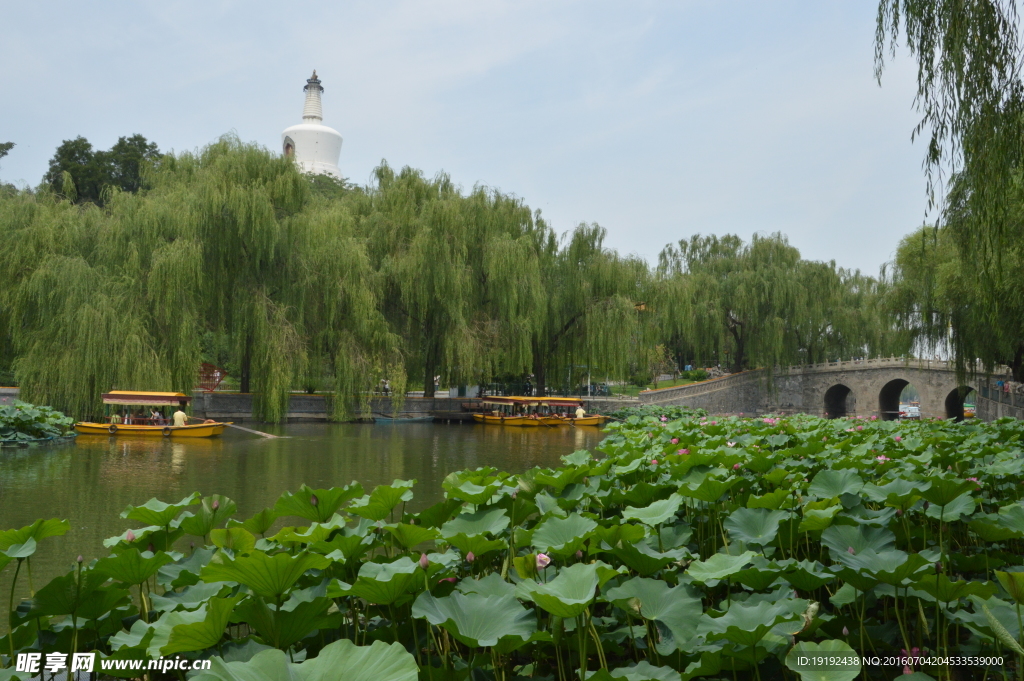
column 144, row 425
column 534, row 412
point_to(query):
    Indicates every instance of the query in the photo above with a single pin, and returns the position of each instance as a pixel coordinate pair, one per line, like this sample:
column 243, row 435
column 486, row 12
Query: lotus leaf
column 208, row 517
column 37, row 531
column 412, row 535
column 563, row 536
column 486, row 521
column 190, row 598
column 963, row 505
column 327, row 502
column 386, row 583
column 754, row 525
column 841, row 538
column 943, row 490
column 282, row 627
column 339, row 660
column 834, row 483
column 944, row 589
column 677, row 608
column 132, row 566
column 237, row 539
column 382, row 500
column 801, row 659
column 570, row 592
column 199, row 635
column 491, row 585
column 719, row 566
column 259, row 523
column 479, row 620
column 268, row 576
column 156, row 512
column 656, row 513
column 747, row 624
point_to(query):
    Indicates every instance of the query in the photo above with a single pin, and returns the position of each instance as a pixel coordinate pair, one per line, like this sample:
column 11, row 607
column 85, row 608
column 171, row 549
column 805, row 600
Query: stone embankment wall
column 741, row 393
column 995, row 402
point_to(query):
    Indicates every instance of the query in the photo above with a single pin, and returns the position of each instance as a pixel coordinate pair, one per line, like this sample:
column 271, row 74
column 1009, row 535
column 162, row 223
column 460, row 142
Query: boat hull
column 197, row 430
column 526, row 422
column 585, row 421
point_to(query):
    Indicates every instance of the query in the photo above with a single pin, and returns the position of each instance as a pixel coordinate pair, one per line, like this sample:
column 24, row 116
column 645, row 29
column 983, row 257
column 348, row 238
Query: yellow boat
column 532, row 412
column 145, row 426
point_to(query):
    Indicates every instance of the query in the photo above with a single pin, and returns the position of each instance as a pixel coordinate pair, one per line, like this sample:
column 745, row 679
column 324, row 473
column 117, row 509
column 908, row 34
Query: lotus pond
column 687, row 547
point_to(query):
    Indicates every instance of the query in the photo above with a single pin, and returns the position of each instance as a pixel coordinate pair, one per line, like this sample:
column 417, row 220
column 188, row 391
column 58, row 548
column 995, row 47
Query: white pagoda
column 314, row 146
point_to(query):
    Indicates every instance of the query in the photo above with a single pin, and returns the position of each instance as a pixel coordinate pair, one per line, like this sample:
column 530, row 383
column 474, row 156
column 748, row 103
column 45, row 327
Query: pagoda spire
column 313, row 110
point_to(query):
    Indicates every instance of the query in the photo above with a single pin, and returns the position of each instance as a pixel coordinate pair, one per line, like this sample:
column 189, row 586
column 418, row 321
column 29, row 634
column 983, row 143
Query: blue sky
column 656, row 120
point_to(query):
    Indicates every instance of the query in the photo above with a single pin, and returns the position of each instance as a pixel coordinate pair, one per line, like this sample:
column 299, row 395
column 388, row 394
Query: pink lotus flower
column 735, row 466
column 824, row 439
column 664, row 418
column 714, row 423
column 882, row 458
column 579, row 554
column 424, row 562
column 130, row 537
column 898, row 438
column 447, row 579
column 542, row 561
column 860, row 427
column 654, row 462
column 730, row 444
column 684, row 451
column 674, row 440
column 470, row 557
column 850, row 551
column 874, row 417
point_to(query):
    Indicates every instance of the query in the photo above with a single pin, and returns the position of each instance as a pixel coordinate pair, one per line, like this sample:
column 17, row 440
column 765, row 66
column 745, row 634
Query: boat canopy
column 135, row 398
column 534, row 401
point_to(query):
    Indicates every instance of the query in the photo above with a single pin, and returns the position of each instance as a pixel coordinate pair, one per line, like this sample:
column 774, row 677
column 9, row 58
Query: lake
column 92, row 480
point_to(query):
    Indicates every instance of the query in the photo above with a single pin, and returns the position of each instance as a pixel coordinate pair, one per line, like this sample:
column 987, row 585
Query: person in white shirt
column 580, row 413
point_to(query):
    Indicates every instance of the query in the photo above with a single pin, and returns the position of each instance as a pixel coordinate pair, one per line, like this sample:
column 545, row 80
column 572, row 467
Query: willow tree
column 459, row 274
column 225, row 241
column 971, row 98
column 594, row 314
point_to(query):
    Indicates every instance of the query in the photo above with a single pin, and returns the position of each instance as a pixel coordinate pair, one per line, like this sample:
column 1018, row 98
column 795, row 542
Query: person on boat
column 156, row 417
column 115, row 418
column 180, row 418
column 580, row 412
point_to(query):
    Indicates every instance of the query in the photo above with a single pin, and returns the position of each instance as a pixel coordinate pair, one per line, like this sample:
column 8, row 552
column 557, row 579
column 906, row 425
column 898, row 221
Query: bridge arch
column 840, row 402
column 955, row 402
column 889, row 399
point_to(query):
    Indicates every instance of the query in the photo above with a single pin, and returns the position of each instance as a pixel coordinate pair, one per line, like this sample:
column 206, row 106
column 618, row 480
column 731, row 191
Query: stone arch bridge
column 846, row 388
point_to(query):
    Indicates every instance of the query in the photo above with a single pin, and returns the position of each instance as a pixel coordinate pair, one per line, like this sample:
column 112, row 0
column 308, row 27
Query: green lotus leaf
column 465, row 490
column 899, row 493
column 189, row 598
column 478, row 544
column 185, row 571
column 757, row 526
column 816, row 520
column 570, row 592
column 268, row 576
column 328, row 501
column 563, row 536
column 38, row 531
column 962, row 505
column 719, row 566
column 834, row 483
column 345, row 660
column 656, row 513
column 710, row 490
column 946, row 590
column 238, row 539
column 1012, row 518
column 895, row 568
column 757, row 578
column 745, row 623
column 439, row 513
column 65, row 595
column 386, row 583
column 487, row 521
column 207, row 517
column 642, row 671
column 841, row 538
column 266, row 665
column 677, row 608
column 774, row 500
column 259, row 523
column 316, row 532
column 801, row 659
column 409, row 536
column 282, row 627
column 479, row 620
column 1013, row 582
column 20, row 551
column 156, row 512
column 943, row 490
column 199, row 635
column 807, row 575
column 644, row 559
column 382, row 500
column 620, row 534
column 131, row 566
column 990, row 529
column 143, row 537
column 491, row 585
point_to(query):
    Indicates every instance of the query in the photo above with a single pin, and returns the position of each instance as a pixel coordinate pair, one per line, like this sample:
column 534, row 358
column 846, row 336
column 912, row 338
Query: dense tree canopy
column 971, row 98
column 293, row 282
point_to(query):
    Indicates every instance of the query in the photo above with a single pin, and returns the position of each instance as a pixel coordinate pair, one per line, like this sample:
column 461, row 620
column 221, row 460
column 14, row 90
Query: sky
column 655, row 119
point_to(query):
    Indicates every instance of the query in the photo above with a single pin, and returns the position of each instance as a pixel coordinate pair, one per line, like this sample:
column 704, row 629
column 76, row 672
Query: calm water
column 91, row 481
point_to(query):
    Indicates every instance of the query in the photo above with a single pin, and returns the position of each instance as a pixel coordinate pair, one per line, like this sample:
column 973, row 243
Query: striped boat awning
column 131, row 398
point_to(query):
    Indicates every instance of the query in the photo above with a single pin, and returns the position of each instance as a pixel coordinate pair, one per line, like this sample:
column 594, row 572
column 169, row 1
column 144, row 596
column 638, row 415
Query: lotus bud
column 899, row 512
column 898, row 439
column 151, row 548
column 579, row 555
column 515, row 493
column 447, row 579
column 684, row 451
column 926, row 505
column 424, row 562
column 215, row 505
column 735, row 466
column 313, row 501
column 80, row 559
column 846, row 632
column 850, row 551
column 130, row 537
column 542, row 561
column 714, row 423
column 654, row 462
column 470, row 557
column 675, row 440
column 938, row 568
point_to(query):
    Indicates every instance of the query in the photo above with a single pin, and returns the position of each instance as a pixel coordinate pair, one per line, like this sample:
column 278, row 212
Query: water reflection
column 92, row 481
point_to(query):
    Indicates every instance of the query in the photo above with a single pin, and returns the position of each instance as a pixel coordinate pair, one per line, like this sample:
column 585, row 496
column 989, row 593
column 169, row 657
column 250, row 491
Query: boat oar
column 254, row 432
